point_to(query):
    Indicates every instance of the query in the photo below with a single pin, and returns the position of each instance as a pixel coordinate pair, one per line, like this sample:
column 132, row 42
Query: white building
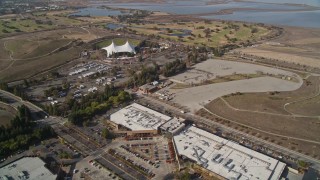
column 27, row 168
column 139, row 118
column 173, row 126
column 112, row 48
column 226, row 158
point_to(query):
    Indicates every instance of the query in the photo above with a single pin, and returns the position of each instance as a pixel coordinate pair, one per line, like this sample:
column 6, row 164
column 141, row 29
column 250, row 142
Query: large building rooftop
column 137, row 118
column 173, row 126
column 226, row 158
column 26, row 168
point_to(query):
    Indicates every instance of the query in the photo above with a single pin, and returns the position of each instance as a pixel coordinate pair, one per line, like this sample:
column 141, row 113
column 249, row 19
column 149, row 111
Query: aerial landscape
column 160, row 89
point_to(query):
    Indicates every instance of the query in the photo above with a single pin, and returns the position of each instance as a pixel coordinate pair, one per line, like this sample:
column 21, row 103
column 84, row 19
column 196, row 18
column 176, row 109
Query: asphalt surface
column 124, row 171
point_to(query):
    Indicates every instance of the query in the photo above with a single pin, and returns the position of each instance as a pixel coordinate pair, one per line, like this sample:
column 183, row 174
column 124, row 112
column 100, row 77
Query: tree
column 26, row 83
column 254, row 30
column 303, row 164
column 106, row 134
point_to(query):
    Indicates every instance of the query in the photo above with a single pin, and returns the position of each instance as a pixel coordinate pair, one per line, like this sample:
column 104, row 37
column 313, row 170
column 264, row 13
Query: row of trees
column 21, row 133
column 17, row 90
column 146, row 75
column 96, row 103
column 174, row 68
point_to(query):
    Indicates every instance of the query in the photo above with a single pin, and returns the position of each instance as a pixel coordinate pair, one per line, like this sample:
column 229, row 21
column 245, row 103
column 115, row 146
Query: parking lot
column 87, row 168
column 148, row 156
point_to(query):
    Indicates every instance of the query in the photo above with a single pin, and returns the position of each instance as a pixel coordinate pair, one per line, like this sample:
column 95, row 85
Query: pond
column 95, row 11
column 114, row 26
column 177, row 32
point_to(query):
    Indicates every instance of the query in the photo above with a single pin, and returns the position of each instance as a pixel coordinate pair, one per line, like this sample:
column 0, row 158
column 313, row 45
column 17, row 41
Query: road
column 125, row 172
column 296, row 155
column 83, row 145
column 16, row 101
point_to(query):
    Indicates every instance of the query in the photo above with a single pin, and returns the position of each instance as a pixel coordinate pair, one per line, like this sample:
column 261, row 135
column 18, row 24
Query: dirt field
column 266, row 112
column 296, row 45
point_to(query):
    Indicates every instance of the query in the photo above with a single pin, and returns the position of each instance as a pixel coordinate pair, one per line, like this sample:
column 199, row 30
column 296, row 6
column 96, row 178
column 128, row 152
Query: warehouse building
column 137, row 119
column 26, row 168
column 225, row 158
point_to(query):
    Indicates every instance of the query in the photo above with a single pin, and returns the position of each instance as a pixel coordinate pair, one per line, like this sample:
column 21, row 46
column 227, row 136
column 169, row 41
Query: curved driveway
column 194, row 98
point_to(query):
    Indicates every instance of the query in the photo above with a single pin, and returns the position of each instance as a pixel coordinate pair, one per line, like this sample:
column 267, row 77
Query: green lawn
column 219, row 30
column 25, row 25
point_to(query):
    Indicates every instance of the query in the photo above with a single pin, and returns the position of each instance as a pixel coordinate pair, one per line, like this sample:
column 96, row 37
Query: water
column 94, row 11
column 183, row 32
column 199, row 7
column 306, row 2
column 300, row 19
column 114, row 26
column 296, row 16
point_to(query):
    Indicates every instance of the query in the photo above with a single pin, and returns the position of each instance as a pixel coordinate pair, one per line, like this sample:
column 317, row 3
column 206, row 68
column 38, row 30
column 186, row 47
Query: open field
column 305, row 100
column 297, row 45
column 31, row 22
column 301, row 146
column 195, row 97
column 24, row 49
column 39, row 51
column 27, row 68
column 213, row 69
column 293, row 114
column 298, row 127
column 200, row 33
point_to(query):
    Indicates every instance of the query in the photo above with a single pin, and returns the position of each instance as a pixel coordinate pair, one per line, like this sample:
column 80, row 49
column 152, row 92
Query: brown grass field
column 266, row 112
column 296, row 45
column 35, row 52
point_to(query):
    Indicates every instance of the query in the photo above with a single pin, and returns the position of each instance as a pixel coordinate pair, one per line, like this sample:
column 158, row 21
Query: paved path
column 194, row 97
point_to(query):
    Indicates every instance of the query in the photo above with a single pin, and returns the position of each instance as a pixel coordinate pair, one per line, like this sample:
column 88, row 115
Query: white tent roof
column 112, row 48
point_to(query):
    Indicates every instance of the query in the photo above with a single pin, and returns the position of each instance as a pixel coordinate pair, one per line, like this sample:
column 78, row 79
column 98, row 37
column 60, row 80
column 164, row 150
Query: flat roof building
column 226, row 158
column 139, row 118
column 148, row 88
column 173, row 126
column 26, row 168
